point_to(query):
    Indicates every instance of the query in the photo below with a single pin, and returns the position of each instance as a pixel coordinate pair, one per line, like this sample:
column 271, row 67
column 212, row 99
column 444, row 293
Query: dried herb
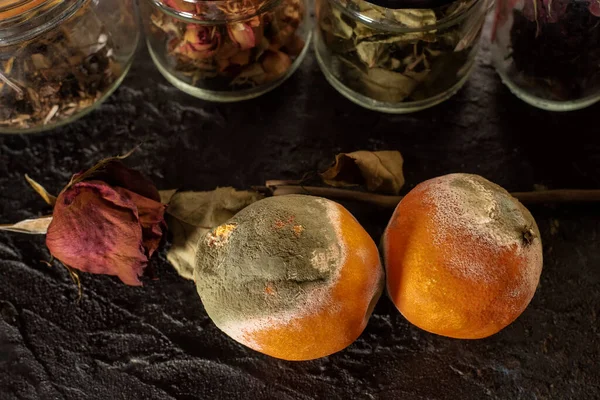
column 56, row 76
column 398, row 66
column 555, row 48
column 236, row 55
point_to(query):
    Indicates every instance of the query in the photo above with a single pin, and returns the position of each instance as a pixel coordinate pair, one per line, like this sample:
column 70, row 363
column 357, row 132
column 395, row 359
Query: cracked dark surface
column 156, row 342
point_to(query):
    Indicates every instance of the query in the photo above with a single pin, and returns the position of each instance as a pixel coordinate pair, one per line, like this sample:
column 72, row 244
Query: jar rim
column 396, row 27
column 31, row 18
column 216, row 11
column 17, row 8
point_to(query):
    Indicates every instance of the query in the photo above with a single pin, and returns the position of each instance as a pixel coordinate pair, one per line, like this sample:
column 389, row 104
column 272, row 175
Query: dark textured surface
column 156, row 342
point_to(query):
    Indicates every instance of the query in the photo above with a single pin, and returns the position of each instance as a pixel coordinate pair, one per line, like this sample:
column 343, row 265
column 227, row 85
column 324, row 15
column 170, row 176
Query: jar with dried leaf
column 226, row 50
column 60, row 59
column 398, row 56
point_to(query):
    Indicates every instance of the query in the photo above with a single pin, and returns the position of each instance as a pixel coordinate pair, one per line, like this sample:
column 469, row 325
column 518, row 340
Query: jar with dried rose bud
column 226, row 50
column 60, row 59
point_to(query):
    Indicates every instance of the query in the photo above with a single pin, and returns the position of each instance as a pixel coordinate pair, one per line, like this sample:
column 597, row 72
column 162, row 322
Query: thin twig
column 558, row 196
column 276, row 182
column 379, row 200
column 387, row 201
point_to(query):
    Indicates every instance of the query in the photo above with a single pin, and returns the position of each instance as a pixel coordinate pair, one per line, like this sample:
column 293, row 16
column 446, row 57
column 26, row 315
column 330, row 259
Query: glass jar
column 548, row 51
column 226, row 50
column 398, row 60
column 60, row 59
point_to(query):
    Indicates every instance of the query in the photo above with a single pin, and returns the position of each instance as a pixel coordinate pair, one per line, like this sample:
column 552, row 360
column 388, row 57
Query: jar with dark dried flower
column 548, row 51
column 60, row 59
column 227, row 50
column 398, row 56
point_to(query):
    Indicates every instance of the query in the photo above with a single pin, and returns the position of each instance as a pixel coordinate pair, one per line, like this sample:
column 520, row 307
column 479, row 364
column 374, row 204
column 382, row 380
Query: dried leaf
column 191, row 214
column 337, row 26
column 413, row 18
column 166, row 195
column 372, row 53
column 385, row 85
column 39, row 189
column 381, row 171
column 37, row 226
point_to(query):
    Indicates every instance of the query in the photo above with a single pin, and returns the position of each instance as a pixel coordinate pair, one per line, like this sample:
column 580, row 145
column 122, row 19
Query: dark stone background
column 156, row 342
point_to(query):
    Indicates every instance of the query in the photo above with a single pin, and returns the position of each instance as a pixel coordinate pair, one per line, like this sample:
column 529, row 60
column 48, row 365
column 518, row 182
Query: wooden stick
column 558, row 196
column 387, row 201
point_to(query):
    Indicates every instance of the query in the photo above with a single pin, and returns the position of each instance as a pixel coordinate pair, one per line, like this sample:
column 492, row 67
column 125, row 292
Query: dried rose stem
column 385, row 201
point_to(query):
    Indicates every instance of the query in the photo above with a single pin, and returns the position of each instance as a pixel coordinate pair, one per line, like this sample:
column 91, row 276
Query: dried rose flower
column 242, row 34
column 276, row 63
column 199, row 42
column 108, row 220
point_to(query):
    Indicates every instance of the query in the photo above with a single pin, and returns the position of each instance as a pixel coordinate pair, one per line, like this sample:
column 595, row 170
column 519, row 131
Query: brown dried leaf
column 372, row 54
column 389, row 86
column 39, row 189
column 191, row 214
column 380, row 171
column 37, row 226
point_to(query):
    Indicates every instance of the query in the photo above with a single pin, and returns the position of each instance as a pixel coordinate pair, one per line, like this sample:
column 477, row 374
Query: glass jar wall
column 60, row 59
column 226, row 50
column 548, row 52
column 397, row 60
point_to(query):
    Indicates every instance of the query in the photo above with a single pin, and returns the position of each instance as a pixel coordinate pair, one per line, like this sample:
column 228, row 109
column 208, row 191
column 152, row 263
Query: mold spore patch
column 489, row 217
column 276, row 262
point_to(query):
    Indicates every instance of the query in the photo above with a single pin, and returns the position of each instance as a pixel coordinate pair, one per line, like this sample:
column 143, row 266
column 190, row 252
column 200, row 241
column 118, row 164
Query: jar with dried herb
column 398, row 56
column 226, row 50
column 60, row 59
column 548, row 51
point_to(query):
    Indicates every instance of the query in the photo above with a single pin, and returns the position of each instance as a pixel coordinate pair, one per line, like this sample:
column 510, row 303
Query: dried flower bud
column 108, row 220
column 276, row 63
column 242, row 34
column 199, row 42
column 241, row 58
